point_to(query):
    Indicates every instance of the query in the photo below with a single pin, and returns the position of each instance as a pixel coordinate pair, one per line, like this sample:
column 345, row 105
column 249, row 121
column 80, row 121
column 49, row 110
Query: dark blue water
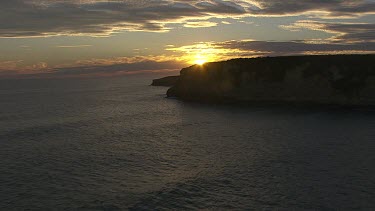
column 117, row 144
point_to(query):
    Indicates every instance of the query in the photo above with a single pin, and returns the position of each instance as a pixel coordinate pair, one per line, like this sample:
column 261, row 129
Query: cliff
column 333, row 79
column 166, row 81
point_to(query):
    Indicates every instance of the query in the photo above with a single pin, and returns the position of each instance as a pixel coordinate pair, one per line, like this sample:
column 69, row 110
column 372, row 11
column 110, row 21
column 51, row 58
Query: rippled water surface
column 117, row 143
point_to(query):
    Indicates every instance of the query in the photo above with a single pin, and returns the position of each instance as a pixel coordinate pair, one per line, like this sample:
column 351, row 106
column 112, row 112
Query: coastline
column 345, row 80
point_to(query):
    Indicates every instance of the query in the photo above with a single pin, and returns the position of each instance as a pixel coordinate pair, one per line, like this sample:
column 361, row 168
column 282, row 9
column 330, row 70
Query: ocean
column 119, row 144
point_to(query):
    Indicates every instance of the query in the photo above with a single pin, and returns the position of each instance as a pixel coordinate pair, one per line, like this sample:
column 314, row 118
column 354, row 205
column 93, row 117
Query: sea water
column 117, row 143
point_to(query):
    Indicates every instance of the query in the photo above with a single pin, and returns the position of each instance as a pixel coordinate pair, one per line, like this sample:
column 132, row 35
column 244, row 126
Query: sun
column 198, row 54
column 200, row 61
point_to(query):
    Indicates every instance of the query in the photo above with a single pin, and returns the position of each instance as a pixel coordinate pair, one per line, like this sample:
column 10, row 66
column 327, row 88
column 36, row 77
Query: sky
column 68, row 38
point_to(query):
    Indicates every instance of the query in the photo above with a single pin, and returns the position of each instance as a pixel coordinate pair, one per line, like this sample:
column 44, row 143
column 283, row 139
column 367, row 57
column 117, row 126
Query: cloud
column 278, row 48
column 17, row 67
column 40, row 18
column 331, row 8
column 91, row 67
column 199, row 24
column 114, row 69
column 343, row 32
column 24, row 18
column 73, row 46
column 9, row 65
column 19, row 64
column 250, row 48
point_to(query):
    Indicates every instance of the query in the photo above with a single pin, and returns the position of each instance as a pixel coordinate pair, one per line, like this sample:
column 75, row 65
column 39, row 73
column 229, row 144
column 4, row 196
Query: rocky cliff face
column 336, row 79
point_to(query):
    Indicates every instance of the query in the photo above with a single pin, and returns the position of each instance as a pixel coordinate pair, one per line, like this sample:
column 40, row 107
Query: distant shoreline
column 168, row 81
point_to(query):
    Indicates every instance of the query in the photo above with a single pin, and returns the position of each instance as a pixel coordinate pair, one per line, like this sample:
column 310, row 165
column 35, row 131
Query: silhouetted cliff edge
column 333, row 79
column 166, row 81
